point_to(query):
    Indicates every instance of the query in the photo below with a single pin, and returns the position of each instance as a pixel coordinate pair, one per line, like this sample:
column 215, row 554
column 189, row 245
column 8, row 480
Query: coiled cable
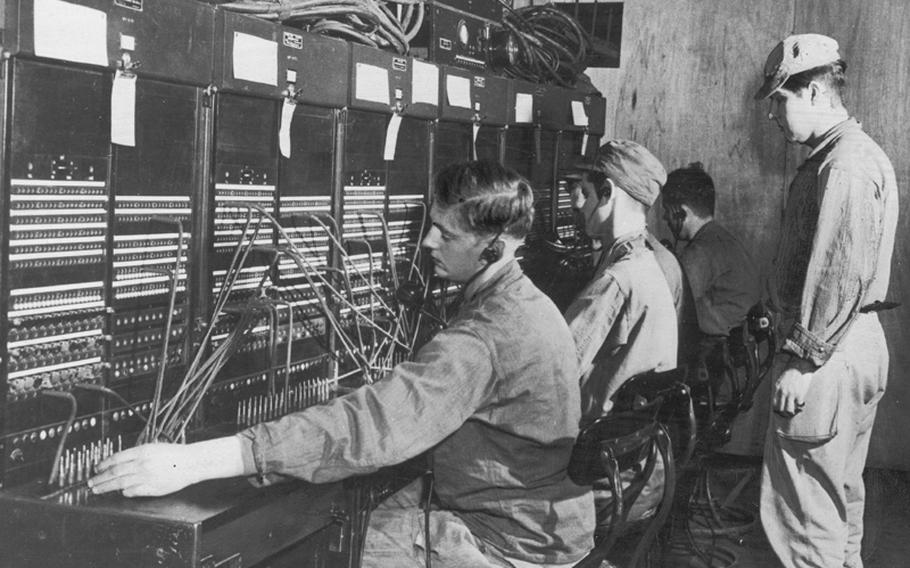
column 549, row 45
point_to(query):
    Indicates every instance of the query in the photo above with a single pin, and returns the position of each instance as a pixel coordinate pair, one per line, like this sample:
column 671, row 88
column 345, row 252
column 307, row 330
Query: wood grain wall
column 684, row 89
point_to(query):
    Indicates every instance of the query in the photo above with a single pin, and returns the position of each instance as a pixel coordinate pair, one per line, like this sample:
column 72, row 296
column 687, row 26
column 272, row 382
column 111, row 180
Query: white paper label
column 127, row 42
column 579, row 116
column 123, row 109
column 475, row 128
column 371, row 83
column 584, row 144
column 524, row 107
column 70, row 32
column 424, row 83
column 391, row 137
column 284, row 130
column 255, row 59
column 458, row 91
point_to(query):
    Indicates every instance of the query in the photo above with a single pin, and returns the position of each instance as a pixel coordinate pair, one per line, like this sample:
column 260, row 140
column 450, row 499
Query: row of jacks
column 266, row 407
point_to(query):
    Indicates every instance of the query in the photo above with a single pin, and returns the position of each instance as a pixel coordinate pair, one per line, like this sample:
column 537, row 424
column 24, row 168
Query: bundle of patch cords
column 373, row 337
column 384, row 25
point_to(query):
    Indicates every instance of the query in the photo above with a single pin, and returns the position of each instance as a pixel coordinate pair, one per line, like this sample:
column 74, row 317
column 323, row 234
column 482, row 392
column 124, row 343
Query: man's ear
column 814, row 89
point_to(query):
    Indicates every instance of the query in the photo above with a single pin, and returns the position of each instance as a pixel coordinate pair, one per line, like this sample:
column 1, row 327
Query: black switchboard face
column 154, row 186
column 532, row 152
column 457, row 141
column 245, row 177
column 56, row 262
column 56, row 256
column 569, row 152
column 245, row 187
column 453, row 142
column 307, row 182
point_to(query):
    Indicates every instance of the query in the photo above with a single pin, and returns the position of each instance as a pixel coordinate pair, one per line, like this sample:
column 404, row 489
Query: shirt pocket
column 817, row 422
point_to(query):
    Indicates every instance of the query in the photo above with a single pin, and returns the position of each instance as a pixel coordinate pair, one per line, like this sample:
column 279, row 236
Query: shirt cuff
column 804, row 344
column 252, row 463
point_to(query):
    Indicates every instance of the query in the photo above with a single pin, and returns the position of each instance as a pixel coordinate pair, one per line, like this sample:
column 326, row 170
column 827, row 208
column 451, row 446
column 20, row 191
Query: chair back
column 634, row 436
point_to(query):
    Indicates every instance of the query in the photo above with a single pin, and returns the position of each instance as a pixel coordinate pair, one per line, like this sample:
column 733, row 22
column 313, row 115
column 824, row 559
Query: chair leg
column 666, row 504
column 619, row 511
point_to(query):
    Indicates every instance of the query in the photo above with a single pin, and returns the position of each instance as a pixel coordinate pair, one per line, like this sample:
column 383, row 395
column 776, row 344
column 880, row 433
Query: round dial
column 464, row 36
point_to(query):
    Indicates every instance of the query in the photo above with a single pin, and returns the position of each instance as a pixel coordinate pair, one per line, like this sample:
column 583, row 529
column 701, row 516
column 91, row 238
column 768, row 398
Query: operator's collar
column 835, row 132
column 623, row 245
column 505, row 274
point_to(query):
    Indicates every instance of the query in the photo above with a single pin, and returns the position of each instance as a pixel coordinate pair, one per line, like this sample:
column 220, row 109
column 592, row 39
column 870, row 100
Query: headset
column 606, row 190
column 493, row 251
column 679, row 214
column 676, row 219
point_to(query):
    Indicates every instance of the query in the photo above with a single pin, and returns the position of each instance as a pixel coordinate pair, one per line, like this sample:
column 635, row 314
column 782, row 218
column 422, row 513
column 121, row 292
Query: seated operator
column 721, row 273
column 494, row 396
column 624, row 321
column 669, row 265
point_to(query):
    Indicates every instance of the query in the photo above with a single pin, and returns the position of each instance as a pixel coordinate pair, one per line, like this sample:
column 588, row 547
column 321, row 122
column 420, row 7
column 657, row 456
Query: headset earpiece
column 493, row 251
column 606, row 189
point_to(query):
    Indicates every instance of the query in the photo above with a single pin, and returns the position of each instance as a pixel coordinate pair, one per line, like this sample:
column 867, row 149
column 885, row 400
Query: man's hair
column 690, row 186
column 489, row 198
column 832, row 74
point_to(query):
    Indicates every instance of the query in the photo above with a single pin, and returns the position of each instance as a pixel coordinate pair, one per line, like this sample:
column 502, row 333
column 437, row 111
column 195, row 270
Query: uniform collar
column 506, row 274
column 832, row 135
column 704, row 229
column 623, row 245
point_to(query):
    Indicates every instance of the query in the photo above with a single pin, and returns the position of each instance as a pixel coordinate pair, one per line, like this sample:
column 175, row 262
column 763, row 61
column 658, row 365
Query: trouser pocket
column 817, row 422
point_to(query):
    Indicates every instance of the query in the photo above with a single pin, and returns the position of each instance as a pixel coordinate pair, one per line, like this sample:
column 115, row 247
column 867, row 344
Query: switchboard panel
column 284, row 365
column 580, row 119
column 56, row 266
column 383, row 208
column 385, row 83
column 154, row 187
column 473, row 97
column 531, row 150
column 473, row 111
column 385, row 169
column 568, row 109
column 258, row 281
column 166, row 39
column 262, row 58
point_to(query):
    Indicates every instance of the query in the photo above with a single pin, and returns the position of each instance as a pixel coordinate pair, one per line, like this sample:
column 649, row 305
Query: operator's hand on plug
column 148, row 470
column 152, row 470
column 791, row 388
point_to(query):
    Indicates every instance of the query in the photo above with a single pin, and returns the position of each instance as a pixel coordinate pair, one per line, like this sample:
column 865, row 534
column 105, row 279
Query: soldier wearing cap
column 623, row 321
column 829, row 279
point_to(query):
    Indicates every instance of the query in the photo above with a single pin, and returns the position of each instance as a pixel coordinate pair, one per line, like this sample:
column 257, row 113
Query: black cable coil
column 541, row 44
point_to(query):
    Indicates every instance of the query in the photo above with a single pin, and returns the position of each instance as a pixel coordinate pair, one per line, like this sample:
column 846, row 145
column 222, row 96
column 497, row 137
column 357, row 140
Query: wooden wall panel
column 688, row 97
